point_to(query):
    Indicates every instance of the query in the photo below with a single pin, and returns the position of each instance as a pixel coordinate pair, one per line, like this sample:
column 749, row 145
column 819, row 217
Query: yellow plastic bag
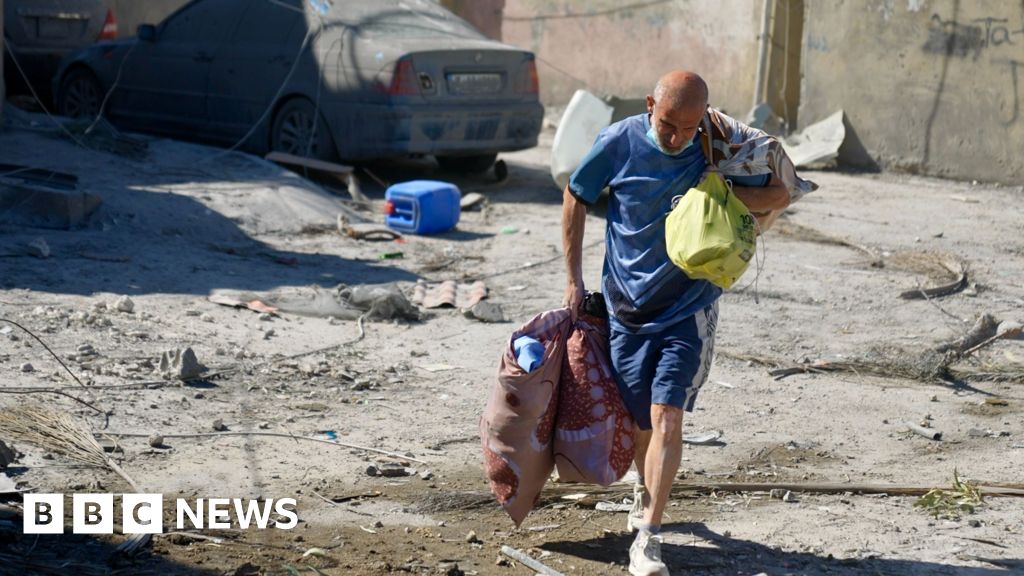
column 710, row 234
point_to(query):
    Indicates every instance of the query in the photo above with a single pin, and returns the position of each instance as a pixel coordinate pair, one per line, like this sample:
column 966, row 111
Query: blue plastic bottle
column 529, row 352
column 422, row 206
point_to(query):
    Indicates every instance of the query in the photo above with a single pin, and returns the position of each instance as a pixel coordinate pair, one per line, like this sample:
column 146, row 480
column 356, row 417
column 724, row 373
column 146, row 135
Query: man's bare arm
column 574, row 220
column 764, row 199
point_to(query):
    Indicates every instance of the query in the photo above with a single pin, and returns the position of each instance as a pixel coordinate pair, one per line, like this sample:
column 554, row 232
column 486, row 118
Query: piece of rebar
column 530, row 563
column 929, row 433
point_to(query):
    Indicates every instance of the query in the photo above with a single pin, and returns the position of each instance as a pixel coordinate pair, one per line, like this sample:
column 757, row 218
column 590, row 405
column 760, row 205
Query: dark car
column 354, row 80
column 41, row 32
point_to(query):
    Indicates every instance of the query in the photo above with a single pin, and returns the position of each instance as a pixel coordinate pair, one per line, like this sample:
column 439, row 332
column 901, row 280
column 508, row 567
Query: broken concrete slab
column 39, row 207
column 181, row 364
column 485, row 312
column 817, row 144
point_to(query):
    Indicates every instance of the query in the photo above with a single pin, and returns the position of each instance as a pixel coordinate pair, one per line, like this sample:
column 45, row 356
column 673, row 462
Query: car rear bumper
column 375, row 130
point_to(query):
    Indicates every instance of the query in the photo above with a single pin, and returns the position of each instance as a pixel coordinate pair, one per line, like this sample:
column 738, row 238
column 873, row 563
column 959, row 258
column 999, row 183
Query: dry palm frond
column 963, row 497
column 58, row 432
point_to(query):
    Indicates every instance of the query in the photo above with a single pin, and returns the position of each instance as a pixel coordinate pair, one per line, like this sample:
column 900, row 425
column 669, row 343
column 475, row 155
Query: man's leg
column 643, row 440
column 664, row 454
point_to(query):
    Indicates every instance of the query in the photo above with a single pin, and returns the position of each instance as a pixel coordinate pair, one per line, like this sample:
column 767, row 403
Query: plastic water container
column 422, row 206
column 529, row 352
column 584, row 118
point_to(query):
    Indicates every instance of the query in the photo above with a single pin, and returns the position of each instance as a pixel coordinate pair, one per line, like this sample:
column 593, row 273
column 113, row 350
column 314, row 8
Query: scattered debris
column 703, row 438
column 530, row 563
column 928, row 433
column 39, row 176
column 180, row 364
column 394, row 255
column 124, row 304
column 449, row 294
column 38, row 248
column 471, row 537
column 366, row 231
column 218, row 425
column 40, row 207
column 372, row 301
column 342, row 172
column 471, row 200
column 224, row 299
column 817, row 144
column 7, row 455
column 485, row 312
column 611, row 507
column 963, row 497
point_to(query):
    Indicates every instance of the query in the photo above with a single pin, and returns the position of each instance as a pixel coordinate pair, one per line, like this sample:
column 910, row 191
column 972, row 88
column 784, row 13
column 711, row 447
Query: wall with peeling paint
column 621, row 48
column 929, row 86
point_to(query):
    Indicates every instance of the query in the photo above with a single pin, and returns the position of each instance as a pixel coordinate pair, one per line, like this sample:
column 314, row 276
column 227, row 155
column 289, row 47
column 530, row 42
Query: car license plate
column 54, row 28
column 472, row 84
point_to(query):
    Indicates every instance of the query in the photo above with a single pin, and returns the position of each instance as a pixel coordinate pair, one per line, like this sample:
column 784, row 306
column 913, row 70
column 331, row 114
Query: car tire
column 80, row 95
column 296, row 132
column 477, row 164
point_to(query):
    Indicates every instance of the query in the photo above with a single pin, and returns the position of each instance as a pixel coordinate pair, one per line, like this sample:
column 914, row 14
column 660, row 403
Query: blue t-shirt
column 644, row 291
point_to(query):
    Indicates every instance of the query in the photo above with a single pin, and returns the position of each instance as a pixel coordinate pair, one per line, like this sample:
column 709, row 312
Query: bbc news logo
column 144, row 513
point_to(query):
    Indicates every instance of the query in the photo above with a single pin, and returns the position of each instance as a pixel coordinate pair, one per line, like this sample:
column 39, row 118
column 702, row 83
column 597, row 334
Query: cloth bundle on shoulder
column 594, row 437
column 710, row 234
column 517, row 425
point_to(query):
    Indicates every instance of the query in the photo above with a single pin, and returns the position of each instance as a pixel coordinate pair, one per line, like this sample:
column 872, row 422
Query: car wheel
column 467, row 164
column 300, row 131
column 80, row 95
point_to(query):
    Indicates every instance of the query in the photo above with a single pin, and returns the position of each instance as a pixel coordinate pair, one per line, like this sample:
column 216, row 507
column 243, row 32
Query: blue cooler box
column 422, row 206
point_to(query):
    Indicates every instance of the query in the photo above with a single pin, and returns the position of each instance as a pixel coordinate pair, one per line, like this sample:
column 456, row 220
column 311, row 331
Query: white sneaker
column 645, row 556
column 636, row 514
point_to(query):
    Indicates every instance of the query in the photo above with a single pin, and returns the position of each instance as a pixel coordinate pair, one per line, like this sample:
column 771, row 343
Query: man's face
column 675, row 125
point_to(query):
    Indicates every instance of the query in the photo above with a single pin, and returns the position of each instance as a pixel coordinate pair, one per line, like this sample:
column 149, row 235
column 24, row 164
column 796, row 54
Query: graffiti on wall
column 999, row 37
column 971, row 38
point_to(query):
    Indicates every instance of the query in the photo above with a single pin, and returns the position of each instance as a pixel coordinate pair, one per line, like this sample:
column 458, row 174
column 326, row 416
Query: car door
column 248, row 70
column 165, row 82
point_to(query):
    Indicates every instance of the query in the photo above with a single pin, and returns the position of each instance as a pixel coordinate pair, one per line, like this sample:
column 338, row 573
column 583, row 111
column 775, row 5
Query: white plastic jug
column 584, row 118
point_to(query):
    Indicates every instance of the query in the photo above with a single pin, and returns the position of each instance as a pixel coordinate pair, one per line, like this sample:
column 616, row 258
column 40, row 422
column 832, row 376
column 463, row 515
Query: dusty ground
column 174, row 227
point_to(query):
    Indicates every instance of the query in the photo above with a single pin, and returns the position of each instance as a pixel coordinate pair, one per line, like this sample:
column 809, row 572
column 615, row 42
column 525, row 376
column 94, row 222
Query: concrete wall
column 614, row 49
column 930, row 86
column 131, row 13
column 486, row 15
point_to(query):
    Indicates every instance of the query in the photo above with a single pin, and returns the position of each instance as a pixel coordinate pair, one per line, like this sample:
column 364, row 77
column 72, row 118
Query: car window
column 268, row 23
column 402, row 19
column 202, row 21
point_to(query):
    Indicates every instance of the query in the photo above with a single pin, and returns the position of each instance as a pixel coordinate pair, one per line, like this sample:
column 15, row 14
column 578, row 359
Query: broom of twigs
column 59, row 432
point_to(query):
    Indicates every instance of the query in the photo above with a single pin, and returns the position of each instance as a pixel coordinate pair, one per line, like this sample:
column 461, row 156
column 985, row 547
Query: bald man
column 662, row 322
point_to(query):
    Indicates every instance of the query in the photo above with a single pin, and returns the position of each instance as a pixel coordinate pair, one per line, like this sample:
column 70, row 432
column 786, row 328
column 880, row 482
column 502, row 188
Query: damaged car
column 351, row 80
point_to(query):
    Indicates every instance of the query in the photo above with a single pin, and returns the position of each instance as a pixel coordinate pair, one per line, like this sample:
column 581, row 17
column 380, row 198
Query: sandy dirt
column 177, row 225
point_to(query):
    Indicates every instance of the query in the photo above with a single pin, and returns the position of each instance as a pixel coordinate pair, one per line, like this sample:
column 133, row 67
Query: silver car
column 344, row 79
column 41, row 32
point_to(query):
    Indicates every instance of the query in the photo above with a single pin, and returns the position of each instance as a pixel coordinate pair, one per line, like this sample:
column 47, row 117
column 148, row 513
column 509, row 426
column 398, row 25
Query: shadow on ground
column 719, row 554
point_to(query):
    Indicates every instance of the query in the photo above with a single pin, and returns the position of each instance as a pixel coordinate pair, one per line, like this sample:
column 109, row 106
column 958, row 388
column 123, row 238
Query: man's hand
column 574, row 294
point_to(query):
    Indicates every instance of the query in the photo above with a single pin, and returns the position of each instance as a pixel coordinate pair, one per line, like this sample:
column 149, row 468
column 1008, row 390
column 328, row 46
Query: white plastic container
column 584, row 118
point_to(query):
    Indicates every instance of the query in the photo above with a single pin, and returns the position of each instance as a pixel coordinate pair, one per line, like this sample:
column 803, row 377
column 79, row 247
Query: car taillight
column 109, row 31
column 528, row 82
column 404, row 82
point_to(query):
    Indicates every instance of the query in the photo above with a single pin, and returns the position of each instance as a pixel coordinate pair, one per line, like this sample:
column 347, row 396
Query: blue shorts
column 666, row 367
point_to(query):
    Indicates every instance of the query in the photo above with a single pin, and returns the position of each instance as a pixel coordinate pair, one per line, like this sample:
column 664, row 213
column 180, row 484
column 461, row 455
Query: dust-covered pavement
column 175, row 227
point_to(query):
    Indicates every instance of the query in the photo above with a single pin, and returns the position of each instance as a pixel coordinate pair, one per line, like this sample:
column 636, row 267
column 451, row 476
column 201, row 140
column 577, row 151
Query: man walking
column 662, row 322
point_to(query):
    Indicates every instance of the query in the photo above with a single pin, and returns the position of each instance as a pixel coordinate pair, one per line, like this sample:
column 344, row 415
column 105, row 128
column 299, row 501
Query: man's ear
column 650, row 104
